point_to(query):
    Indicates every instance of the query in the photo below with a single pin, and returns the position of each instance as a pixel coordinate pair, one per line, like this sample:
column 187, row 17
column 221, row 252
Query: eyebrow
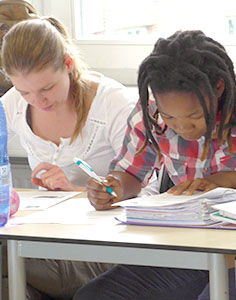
column 45, row 87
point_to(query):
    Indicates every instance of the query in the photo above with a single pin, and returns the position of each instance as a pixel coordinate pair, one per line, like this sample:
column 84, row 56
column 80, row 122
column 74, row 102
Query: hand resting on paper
column 190, row 186
column 53, row 178
column 219, row 179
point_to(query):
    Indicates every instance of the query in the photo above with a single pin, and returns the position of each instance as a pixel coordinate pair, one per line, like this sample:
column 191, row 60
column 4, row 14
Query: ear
column 220, row 87
column 69, row 63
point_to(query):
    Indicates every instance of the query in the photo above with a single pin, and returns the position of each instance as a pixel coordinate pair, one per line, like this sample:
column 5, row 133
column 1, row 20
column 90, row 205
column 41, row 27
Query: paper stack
column 182, row 210
column 226, row 212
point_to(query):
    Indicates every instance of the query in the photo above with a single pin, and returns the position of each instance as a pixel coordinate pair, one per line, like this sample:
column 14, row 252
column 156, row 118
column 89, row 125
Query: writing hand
column 99, row 198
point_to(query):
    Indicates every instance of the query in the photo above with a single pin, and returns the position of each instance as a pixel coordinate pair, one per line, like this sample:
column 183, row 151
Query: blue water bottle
column 4, row 170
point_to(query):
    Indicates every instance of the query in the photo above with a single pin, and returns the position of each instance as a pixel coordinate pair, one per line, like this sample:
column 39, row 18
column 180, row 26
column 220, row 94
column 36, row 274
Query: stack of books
column 182, row 210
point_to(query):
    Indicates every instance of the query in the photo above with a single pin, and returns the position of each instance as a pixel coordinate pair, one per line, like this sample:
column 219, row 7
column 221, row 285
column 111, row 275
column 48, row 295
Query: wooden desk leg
column 16, row 272
column 219, row 287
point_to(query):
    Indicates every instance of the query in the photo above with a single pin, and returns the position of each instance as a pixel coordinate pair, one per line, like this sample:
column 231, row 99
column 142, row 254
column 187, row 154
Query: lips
column 189, row 137
column 47, row 108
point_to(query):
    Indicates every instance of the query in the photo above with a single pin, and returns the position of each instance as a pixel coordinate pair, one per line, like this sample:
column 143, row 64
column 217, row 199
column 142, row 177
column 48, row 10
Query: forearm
column 131, row 187
column 224, row 179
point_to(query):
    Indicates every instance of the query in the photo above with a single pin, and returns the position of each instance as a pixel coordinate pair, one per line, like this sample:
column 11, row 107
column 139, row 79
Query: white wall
column 117, row 60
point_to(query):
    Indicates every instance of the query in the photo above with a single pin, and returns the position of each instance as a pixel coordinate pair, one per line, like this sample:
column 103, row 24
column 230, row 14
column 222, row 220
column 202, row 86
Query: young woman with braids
column 184, row 120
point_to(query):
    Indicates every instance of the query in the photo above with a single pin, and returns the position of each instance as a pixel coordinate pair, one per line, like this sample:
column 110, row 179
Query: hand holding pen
column 100, row 195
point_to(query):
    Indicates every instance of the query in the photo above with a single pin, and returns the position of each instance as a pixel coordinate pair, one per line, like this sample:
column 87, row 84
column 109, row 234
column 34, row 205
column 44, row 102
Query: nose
column 39, row 99
column 183, row 126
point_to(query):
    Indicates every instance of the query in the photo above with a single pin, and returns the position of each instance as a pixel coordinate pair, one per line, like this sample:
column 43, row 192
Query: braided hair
column 189, row 61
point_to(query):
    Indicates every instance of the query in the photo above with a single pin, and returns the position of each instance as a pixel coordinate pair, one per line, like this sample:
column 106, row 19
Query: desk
column 116, row 243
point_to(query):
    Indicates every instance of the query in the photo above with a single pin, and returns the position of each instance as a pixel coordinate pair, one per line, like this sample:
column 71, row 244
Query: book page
column 166, row 199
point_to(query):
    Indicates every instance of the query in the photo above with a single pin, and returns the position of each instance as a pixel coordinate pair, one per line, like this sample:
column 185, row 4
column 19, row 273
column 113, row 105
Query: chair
column 166, row 182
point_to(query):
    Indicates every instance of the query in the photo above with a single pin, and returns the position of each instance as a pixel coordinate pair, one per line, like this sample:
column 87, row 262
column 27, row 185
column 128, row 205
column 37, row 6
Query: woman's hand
column 53, row 178
column 99, row 197
column 190, row 186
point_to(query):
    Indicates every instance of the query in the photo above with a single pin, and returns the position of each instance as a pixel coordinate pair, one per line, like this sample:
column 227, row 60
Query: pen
column 86, row 168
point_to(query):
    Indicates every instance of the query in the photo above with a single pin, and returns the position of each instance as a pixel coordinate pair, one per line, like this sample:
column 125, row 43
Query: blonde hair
column 36, row 44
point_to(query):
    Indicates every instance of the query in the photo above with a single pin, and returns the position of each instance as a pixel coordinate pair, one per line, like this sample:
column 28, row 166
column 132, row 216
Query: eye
column 197, row 117
column 166, row 117
column 47, row 89
column 24, row 94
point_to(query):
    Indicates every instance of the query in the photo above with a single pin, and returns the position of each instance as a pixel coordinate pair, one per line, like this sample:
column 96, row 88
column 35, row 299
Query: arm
column 224, row 179
column 131, row 187
column 128, row 172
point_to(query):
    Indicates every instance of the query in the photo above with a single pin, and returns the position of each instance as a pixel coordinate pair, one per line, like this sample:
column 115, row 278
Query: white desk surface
column 118, row 243
column 207, row 240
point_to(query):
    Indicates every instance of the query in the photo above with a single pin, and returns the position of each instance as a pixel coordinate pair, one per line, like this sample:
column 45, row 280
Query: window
column 114, row 36
column 135, row 20
column 112, row 19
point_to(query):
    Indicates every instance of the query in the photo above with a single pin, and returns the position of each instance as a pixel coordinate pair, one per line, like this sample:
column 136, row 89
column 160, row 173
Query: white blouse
column 100, row 140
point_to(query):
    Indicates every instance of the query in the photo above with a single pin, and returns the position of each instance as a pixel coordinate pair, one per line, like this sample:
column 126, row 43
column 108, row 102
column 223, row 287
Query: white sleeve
column 119, row 105
column 9, row 101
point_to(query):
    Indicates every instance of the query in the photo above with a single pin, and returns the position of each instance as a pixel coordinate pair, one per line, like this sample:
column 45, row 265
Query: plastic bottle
column 4, row 170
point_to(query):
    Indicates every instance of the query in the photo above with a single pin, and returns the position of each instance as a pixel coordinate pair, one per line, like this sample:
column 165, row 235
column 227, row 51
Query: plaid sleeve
column 142, row 165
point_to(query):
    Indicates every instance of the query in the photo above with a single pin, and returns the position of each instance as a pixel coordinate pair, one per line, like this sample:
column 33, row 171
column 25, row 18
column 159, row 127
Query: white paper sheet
column 166, row 199
column 40, row 199
column 72, row 211
column 227, row 209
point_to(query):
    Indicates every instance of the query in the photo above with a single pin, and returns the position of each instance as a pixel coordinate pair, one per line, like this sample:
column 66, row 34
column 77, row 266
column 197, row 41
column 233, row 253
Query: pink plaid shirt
column 182, row 159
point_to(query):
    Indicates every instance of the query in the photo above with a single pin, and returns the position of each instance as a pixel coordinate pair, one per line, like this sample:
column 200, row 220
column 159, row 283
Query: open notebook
column 170, row 210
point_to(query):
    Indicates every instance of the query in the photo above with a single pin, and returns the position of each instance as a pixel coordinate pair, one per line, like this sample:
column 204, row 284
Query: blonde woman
column 59, row 109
